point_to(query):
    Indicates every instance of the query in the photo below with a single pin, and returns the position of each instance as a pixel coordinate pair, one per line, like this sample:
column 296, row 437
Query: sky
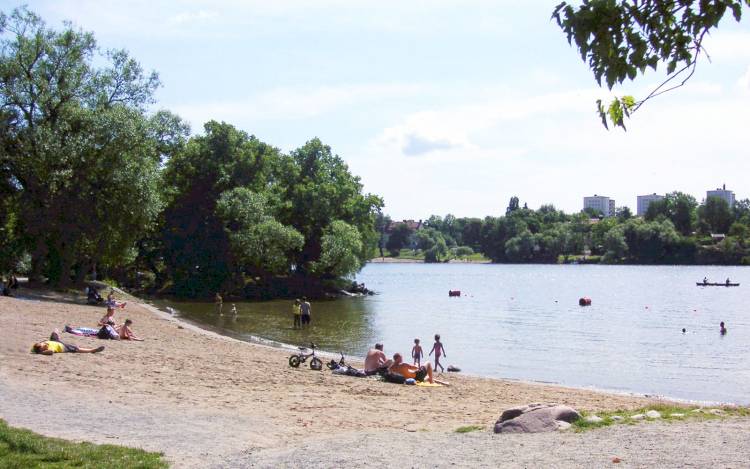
column 439, row 107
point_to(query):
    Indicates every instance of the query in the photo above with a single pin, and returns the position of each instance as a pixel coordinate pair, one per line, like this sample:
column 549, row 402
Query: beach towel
column 82, row 331
column 429, row 385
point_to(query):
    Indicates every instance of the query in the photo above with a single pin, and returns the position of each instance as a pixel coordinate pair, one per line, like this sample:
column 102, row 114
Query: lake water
column 524, row 322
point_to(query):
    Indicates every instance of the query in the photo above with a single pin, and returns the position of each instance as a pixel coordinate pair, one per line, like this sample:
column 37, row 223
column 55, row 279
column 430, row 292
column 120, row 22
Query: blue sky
column 439, row 107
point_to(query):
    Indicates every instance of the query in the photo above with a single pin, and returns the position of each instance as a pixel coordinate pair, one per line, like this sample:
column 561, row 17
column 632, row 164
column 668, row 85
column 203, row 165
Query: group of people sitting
column 107, row 328
column 7, row 286
column 376, row 362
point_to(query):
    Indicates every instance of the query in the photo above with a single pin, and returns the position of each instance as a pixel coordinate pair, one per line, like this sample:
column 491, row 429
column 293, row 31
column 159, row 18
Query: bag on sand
column 107, row 332
column 394, row 378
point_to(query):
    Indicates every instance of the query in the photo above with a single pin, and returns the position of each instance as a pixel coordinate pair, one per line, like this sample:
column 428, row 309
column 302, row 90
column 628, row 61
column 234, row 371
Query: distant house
column 722, row 193
column 645, row 200
column 413, row 225
column 603, row 204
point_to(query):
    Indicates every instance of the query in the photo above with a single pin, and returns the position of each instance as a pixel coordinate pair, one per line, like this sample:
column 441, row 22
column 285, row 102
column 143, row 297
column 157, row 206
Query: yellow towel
column 429, row 385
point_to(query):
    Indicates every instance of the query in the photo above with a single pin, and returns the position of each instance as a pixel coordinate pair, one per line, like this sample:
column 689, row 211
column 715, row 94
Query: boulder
column 617, row 418
column 653, row 414
column 535, row 418
column 677, row 415
column 594, row 419
column 637, row 417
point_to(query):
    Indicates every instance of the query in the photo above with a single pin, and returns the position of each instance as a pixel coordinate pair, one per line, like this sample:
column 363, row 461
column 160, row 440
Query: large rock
column 535, row 418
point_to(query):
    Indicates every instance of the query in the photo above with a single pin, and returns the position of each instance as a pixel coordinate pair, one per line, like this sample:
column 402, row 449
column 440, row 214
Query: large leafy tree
column 77, row 153
column 196, row 237
column 317, row 190
column 620, row 39
column 678, row 207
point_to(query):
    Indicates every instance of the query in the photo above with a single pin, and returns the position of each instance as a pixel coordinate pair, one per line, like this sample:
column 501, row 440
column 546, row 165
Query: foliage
column 23, row 448
column 260, row 245
column 341, row 245
column 77, row 148
column 669, row 413
column 317, row 189
column 716, row 215
column 620, row 39
column 399, row 238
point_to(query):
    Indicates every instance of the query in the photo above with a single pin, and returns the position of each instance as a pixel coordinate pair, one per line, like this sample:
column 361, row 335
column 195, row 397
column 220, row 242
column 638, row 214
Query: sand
column 206, row 400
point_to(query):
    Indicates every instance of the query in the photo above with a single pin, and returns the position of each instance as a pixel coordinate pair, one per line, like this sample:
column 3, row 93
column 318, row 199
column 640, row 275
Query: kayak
column 713, row 284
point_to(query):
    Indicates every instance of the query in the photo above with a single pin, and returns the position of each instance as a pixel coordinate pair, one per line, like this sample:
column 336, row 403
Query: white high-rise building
column 645, row 200
column 722, row 193
column 603, row 204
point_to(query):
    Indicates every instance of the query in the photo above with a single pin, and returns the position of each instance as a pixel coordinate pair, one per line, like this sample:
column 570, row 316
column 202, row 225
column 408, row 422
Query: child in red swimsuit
column 439, row 351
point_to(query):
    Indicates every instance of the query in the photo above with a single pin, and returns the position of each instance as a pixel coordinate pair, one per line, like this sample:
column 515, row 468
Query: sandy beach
column 206, row 400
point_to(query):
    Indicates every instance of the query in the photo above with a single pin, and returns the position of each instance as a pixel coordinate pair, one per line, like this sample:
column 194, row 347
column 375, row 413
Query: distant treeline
column 675, row 230
column 93, row 184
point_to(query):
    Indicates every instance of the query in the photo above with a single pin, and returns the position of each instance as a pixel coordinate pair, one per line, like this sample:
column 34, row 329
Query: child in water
column 439, row 351
column 416, row 353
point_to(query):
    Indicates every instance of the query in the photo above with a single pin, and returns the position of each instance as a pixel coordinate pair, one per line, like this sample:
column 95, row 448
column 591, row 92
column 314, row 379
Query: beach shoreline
column 204, row 398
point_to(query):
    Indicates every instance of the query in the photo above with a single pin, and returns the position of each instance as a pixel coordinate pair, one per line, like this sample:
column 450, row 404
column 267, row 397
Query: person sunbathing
column 125, row 332
column 55, row 345
column 410, row 371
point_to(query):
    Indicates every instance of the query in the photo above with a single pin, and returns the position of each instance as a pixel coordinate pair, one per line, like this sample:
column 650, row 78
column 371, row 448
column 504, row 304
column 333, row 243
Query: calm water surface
column 524, row 322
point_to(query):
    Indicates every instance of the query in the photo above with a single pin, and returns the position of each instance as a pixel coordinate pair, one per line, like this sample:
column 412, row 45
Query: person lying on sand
column 376, row 361
column 125, row 332
column 410, row 371
column 55, row 345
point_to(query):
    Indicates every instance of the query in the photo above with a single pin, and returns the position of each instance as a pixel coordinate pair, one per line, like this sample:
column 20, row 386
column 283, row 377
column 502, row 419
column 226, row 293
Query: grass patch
column 625, row 417
column 25, row 449
column 469, row 428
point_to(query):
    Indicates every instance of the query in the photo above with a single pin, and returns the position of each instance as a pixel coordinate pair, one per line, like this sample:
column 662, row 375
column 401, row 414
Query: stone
column 535, row 418
column 617, row 418
column 562, row 426
column 716, row 411
column 653, row 414
column 594, row 419
column 677, row 415
column 637, row 417
column 697, row 411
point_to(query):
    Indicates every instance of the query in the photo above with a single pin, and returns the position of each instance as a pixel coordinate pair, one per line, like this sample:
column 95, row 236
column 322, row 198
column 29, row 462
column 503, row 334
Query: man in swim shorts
column 55, row 345
column 376, row 361
column 410, row 371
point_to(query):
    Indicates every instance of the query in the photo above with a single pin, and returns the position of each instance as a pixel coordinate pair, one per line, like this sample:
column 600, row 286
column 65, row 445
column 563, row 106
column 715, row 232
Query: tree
column 197, row 247
column 512, row 205
column 716, row 214
column 261, row 246
column 620, row 39
column 678, row 207
column 317, row 189
column 398, row 239
column 623, row 214
column 76, row 147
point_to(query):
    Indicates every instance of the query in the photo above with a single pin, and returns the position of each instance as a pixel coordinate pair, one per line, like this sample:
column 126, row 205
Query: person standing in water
column 297, row 314
column 306, row 311
column 219, row 303
column 439, row 351
column 722, row 329
column 416, row 353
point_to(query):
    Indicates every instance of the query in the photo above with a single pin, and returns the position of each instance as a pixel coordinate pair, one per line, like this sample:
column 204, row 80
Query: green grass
column 469, row 428
column 25, row 449
column 663, row 409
